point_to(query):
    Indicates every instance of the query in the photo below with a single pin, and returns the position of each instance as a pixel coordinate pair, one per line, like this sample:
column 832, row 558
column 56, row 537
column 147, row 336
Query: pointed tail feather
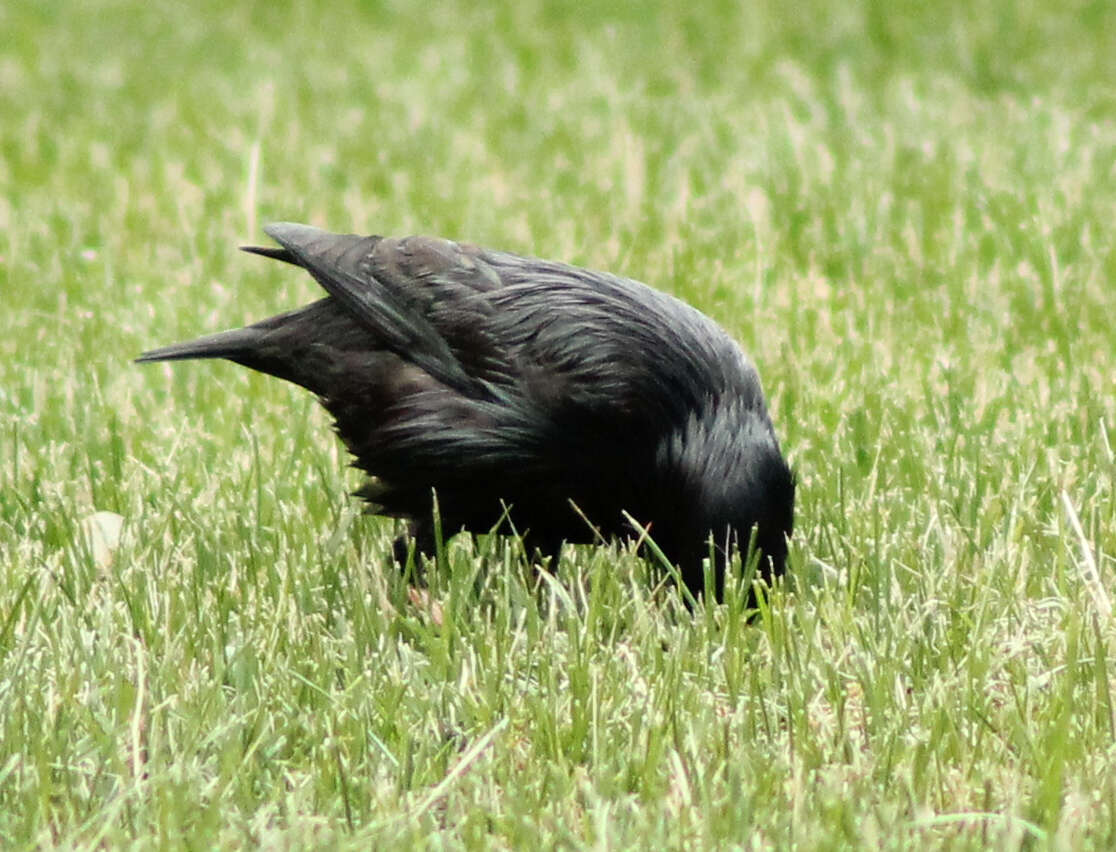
column 274, row 253
column 226, row 344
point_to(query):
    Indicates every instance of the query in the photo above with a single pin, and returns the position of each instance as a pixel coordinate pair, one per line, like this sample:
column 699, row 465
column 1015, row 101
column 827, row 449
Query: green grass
column 904, row 211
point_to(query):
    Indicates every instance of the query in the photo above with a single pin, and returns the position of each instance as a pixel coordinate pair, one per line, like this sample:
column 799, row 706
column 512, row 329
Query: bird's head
column 732, row 479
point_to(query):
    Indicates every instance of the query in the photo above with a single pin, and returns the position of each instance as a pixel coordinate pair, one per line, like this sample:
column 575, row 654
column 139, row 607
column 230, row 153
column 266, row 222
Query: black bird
column 507, row 384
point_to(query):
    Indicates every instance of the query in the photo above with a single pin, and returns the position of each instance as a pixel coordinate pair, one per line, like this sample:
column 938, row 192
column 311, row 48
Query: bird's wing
column 578, row 345
column 376, row 280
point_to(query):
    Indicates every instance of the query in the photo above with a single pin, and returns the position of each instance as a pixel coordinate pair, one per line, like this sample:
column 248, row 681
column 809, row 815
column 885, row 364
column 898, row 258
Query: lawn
column 903, row 211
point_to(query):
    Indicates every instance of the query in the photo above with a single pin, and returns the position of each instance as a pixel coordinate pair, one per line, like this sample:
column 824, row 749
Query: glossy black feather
column 498, row 380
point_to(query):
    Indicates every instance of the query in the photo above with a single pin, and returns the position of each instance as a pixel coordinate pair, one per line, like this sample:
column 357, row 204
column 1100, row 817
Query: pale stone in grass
column 102, row 532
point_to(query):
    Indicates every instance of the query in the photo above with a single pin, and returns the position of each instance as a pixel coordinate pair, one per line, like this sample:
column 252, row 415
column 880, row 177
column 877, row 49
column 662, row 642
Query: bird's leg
column 542, row 558
column 417, row 543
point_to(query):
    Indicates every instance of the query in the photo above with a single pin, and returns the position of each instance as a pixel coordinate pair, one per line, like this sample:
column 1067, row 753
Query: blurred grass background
column 902, row 210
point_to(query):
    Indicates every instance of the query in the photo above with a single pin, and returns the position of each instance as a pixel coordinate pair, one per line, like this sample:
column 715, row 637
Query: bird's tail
column 296, row 346
column 233, row 345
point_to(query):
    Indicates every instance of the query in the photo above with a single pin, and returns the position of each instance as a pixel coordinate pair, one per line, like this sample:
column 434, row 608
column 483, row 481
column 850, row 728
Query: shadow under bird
column 519, row 388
